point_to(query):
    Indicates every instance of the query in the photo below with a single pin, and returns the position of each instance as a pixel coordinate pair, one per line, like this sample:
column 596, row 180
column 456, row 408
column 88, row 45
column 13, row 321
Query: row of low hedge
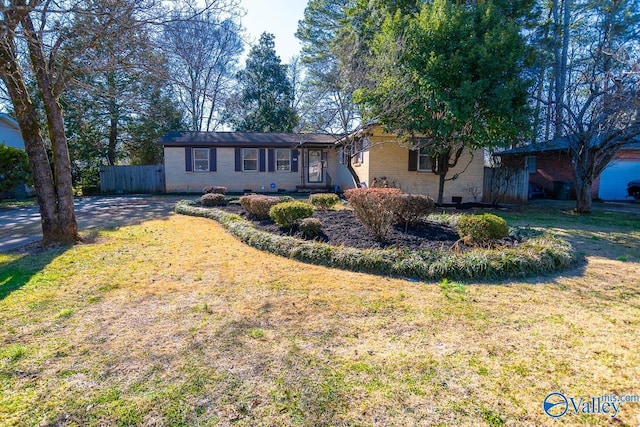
column 538, row 255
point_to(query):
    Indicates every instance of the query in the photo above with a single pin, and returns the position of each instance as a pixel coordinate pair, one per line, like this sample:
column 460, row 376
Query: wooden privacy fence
column 504, row 185
column 132, row 179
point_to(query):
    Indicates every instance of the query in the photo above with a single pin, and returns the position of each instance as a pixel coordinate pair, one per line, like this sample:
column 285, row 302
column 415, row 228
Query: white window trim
column 193, row 156
column 244, row 152
column 430, row 161
column 277, row 150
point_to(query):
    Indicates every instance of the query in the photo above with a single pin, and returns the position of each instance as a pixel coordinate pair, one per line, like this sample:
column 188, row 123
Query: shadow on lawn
column 17, row 273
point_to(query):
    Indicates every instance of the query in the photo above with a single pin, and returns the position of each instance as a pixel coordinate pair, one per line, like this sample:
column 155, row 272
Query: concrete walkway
column 21, row 226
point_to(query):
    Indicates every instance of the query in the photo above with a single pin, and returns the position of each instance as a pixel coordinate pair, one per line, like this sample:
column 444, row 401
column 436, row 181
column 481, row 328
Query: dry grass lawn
column 175, row 322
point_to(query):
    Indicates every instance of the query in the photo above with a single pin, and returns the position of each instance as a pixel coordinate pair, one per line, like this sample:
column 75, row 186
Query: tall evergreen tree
column 435, row 75
column 329, row 104
column 264, row 101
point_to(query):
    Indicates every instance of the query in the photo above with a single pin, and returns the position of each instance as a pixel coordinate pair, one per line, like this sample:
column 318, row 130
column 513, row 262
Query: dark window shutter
column 413, row 160
column 238, row 159
column 294, row 160
column 271, row 160
column 188, row 161
column 213, row 160
column 262, row 160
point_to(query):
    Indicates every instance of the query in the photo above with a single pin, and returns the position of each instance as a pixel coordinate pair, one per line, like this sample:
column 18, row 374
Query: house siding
column 387, row 158
column 179, row 180
column 10, row 135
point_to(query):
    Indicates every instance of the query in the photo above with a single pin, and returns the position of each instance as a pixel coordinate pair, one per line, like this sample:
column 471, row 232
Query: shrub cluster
column 288, row 214
column 324, row 201
column 482, row 229
column 258, row 206
column 214, row 189
column 538, row 255
column 213, row 199
column 310, row 227
column 414, row 207
column 376, row 208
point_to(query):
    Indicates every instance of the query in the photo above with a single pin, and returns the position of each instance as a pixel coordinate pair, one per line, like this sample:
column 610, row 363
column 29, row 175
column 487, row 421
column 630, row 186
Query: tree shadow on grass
column 16, row 273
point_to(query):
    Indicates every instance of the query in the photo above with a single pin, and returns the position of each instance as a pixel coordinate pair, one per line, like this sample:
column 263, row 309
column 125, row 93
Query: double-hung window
column 250, row 159
column 283, row 160
column 425, row 164
column 201, row 160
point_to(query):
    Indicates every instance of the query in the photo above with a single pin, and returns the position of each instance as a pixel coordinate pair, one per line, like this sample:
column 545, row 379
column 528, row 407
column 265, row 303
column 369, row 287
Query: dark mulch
column 343, row 228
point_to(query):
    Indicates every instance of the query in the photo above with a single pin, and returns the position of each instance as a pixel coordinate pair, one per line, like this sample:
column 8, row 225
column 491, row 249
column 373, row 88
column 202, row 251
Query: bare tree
column 51, row 43
column 601, row 104
column 203, row 54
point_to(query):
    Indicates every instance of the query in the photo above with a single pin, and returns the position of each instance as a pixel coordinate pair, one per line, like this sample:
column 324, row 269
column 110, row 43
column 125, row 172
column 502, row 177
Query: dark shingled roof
column 245, row 139
column 557, row 144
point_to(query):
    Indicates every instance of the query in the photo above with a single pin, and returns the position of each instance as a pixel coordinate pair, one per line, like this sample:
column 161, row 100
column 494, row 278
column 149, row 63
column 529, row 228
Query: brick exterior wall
column 178, row 180
column 387, row 158
column 556, row 166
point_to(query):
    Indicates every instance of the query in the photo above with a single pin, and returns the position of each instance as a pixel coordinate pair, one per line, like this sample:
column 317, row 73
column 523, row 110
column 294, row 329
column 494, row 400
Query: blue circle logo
column 555, row 405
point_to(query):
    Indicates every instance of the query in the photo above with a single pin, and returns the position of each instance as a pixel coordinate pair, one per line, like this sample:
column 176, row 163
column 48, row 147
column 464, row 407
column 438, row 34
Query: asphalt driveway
column 21, row 226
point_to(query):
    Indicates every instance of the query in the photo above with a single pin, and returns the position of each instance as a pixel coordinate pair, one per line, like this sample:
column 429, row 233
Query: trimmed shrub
column 214, row 189
column 414, row 207
column 323, row 201
column 376, row 208
column 258, row 206
column 482, row 229
column 288, row 214
column 310, row 227
column 538, row 255
column 213, row 199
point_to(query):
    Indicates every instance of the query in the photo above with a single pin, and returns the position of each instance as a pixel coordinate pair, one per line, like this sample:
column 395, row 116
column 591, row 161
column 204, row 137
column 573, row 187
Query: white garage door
column 614, row 179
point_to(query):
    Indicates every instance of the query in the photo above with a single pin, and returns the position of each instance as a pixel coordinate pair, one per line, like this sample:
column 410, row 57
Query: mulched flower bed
column 343, row 228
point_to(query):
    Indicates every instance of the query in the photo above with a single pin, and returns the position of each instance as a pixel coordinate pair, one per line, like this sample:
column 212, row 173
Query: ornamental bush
column 324, row 201
column 288, row 214
column 214, row 189
column 536, row 255
column 376, row 208
column 213, row 199
column 14, row 168
column 414, row 207
column 310, row 227
column 482, row 229
column 258, row 206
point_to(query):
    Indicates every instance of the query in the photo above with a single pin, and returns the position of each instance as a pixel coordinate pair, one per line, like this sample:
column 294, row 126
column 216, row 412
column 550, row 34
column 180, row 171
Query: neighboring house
column 10, row 135
column 550, row 167
column 378, row 157
column 10, row 132
column 272, row 162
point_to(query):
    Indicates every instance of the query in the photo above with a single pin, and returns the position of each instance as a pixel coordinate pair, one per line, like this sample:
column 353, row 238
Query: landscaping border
column 536, row 255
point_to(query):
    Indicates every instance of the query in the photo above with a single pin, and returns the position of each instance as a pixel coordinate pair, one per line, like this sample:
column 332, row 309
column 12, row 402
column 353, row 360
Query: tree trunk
column 583, row 195
column 65, row 229
column 442, row 178
column 113, row 119
column 353, row 173
column 33, row 142
column 113, row 132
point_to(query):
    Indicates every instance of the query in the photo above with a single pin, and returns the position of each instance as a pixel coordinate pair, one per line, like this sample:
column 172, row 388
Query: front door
column 315, row 167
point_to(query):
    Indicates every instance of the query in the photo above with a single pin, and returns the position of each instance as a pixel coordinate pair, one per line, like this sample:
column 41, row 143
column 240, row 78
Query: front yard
column 175, row 322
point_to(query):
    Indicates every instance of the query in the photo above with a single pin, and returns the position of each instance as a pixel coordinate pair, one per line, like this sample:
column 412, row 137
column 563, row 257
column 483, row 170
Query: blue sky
column 279, row 17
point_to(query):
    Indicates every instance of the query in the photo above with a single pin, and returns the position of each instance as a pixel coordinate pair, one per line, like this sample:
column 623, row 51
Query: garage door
column 614, row 179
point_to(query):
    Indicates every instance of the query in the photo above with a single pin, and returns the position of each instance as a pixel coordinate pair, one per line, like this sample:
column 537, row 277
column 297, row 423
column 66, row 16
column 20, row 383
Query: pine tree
column 264, row 101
